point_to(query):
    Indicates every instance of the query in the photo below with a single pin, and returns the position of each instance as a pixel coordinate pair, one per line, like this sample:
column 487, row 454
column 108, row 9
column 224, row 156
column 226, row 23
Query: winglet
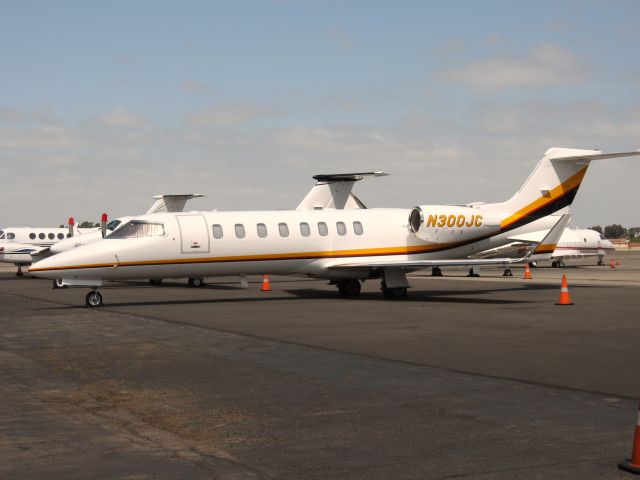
column 548, row 244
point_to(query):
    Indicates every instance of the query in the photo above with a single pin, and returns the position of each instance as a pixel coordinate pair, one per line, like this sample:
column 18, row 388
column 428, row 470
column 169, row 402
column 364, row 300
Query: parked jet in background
column 24, row 245
column 573, row 244
column 580, row 243
column 345, row 246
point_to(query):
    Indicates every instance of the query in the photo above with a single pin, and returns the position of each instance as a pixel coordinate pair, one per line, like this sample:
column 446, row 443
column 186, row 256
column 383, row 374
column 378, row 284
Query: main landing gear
column 396, row 292
column 507, row 273
column 349, row 288
column 94, row 299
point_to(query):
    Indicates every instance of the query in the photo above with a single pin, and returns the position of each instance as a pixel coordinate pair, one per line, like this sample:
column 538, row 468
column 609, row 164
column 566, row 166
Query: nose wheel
column 94, row 299
column 195, row 282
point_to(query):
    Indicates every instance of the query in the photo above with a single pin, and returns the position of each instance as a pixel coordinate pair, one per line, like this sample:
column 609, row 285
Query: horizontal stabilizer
column 334, row 190
column 347, row 177
column 171, row 203
column 589, row 156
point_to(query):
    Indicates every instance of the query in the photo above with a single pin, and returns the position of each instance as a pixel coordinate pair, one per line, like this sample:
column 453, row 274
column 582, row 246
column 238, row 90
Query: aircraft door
column 194, row 234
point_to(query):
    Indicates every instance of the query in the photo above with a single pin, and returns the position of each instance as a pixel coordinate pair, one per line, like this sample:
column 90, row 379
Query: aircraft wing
column 333, row 190
column 546, row 246
column 22, row 248
column 171, row 203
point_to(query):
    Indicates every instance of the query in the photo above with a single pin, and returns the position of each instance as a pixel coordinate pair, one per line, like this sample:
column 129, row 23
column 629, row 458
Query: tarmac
column 480, row 378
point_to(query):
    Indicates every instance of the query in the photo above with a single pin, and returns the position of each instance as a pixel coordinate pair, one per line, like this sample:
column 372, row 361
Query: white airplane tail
column 551, row 186
column 171, row 203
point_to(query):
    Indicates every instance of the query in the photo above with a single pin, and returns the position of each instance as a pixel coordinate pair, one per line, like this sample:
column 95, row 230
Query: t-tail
column 551, row 186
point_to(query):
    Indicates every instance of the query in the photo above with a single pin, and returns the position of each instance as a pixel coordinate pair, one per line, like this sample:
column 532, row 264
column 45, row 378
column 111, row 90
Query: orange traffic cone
column 612, row 264
column 565, row 299
column 266, row 286
column 527, row 273
column 633, row 464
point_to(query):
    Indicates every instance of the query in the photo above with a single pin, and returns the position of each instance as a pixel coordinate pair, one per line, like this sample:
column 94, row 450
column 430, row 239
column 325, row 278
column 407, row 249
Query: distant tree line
column 618, row 231
column 85, row 224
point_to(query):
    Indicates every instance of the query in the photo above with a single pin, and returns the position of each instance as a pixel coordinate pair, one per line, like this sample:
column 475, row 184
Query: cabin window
column 60, row 236
column 305, row 231
column 283, row 228
column 40, row 236
column 138, row 229
column 11, row 235
column 52, row 236
column 240, row 233
column 322, row 229
column 32, row 236
column 342, row 228
column 357, row 228
column 262, row 230
column 217, row 231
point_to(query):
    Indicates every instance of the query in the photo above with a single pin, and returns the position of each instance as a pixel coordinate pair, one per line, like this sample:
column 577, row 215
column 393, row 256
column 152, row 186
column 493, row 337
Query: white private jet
column 346, row 246
column 574, row 243
column 26, row 245
column 580, row 243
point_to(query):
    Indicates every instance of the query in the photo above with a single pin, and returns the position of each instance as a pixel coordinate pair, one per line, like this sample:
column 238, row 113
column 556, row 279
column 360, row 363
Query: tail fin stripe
column 572, row 184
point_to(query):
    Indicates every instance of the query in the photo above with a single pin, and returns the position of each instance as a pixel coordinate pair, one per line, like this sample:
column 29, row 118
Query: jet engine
column 450, row 222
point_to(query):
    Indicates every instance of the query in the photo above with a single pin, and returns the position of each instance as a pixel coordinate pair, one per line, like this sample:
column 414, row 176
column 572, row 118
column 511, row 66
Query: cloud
column 119, row 118
column 196, row 87
column 546, row 65
column 45, row 136
column 339, row 37
column 10, row 115
column 232, row 114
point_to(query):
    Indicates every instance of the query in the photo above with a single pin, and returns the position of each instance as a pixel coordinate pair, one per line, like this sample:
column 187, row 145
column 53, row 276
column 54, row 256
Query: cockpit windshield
column 113, row 224
column 138, row 229
column 1, row 235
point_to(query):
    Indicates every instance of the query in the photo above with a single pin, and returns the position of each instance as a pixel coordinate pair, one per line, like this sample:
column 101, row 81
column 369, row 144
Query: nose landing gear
column 94, row 299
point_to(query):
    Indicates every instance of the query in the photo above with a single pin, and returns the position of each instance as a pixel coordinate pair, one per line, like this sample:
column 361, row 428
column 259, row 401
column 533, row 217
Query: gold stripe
column 272, row 256
column 560, row 190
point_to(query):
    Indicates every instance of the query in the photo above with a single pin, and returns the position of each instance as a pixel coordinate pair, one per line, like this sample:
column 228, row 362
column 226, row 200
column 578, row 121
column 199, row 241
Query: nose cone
column 75, row 241
column 81, row 262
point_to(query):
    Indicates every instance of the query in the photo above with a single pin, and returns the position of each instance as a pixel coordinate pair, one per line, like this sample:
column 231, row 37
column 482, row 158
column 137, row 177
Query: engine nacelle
column 451, row 223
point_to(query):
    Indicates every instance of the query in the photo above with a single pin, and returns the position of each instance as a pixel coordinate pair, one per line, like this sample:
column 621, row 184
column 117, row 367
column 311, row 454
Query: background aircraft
column 345, row 246
column 574, row 243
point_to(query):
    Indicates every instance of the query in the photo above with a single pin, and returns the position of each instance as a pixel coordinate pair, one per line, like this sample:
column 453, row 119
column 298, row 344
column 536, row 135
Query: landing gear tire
column 349, row 288
column 57, row 283
column 155, row 281
column 93, row 299
column 507, row 273
column 555, row 264
column 472, row 273
column 398, row 292
column 600, row 263
column 196, row 282
column 436, row 272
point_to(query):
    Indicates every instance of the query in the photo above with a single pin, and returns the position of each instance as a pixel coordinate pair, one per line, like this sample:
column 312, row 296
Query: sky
column 105, row 104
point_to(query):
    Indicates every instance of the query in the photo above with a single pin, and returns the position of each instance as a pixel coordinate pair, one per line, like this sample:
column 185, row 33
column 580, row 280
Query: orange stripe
column 545, row 248
column 560, row 190
column 273, row 256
